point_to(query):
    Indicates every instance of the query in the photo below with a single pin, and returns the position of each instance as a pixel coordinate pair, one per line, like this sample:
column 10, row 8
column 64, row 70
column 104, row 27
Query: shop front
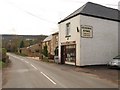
column 68, row 53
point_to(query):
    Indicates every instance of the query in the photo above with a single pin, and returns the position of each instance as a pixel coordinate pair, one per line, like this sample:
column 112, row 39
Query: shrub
column 45, row 59
column 2, row 64
column 3, row 54
column 56, row 51
column 45, row 51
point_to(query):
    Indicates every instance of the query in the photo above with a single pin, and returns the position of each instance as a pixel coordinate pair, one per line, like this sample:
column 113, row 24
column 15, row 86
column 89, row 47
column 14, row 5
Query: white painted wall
column 119, row 37
column 75, row 36
column 119, row 30
column 103, row 46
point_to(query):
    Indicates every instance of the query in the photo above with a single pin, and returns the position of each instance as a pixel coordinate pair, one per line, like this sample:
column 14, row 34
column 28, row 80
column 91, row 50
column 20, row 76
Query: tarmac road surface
column 28, row 73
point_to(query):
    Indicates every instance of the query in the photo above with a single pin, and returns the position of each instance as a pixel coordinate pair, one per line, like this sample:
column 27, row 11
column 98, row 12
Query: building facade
column 119, row 30
column 89, row 37
column 47, row 42
column 52, row 43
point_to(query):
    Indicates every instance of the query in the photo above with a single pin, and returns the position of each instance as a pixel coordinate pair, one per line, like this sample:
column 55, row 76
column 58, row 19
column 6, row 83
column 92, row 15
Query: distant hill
column 11, row 42
column 24, row 37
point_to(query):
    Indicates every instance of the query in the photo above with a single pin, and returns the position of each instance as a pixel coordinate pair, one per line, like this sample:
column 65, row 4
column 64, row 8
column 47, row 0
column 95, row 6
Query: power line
column 43, row 19
column 32, row 14
column 39, row 17
column 76, row 1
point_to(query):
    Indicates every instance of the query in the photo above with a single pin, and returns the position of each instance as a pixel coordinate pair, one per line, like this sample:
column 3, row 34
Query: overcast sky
column 36, row 17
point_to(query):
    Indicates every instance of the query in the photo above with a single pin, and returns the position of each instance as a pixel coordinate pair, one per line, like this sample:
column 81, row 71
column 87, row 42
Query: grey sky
column 27, row 17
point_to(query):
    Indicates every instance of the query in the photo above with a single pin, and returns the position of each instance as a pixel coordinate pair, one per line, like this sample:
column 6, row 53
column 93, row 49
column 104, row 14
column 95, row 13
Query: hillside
column 12, row 42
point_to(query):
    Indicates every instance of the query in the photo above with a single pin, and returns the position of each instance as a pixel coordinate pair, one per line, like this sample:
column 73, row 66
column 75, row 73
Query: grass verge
column 2, row 64
column 45, row 59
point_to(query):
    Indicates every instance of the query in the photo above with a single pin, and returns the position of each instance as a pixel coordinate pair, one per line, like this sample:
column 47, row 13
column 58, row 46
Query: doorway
column 63, row 50
column 68, row 54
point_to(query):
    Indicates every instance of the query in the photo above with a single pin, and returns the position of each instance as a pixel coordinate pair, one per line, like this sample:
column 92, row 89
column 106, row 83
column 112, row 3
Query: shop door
column 63, row 57
column 70, row 54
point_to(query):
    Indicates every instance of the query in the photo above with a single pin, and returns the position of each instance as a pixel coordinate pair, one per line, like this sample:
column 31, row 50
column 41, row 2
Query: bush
column 4, row 54
column 2, row 64
column 45, row 51
column 45, row 59
column 0, row 53
column 56, row 51
column 4, row 51
column 5, row 58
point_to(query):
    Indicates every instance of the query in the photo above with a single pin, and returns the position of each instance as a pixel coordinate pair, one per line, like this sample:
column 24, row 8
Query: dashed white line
column 26, row 62
column 37, row 69
column 22, row 59
column 48, row 78
column 34, row 67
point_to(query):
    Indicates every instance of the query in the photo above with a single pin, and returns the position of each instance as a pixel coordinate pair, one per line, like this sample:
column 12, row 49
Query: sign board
column 86, row 31
column 68, row 43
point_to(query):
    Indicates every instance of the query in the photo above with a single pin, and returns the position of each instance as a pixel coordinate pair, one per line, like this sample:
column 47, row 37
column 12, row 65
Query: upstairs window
column 67, row 29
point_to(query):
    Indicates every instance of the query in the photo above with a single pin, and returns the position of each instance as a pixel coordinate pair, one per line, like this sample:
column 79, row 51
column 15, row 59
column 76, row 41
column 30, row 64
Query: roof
column 55, row 33
column 95, row 10
column 47, row 38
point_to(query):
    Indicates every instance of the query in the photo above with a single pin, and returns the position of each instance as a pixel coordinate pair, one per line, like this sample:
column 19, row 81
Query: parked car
column 115, row 62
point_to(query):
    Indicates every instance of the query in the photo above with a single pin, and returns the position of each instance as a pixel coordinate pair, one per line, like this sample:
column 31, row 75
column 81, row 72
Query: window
column 70, row 53
column 67, row 29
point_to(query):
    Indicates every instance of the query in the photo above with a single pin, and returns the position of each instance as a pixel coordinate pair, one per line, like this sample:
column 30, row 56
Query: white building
column 89, row 36
column 119, row 29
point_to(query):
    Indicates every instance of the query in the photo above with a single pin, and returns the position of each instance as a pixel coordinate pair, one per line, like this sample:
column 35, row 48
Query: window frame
column 68, row 29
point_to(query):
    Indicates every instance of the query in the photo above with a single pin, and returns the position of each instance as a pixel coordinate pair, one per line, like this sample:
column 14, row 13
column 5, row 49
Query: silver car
column 115, row 62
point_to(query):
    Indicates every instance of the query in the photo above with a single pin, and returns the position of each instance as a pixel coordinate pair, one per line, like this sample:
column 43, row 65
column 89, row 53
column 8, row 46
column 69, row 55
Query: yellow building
column 51, row 42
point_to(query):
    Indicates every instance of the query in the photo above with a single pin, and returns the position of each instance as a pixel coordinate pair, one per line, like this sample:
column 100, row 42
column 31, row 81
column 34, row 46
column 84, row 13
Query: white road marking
column 48, row 78
column 26, row 62
column 14, row 56
column 34, row 67
column 22, row 59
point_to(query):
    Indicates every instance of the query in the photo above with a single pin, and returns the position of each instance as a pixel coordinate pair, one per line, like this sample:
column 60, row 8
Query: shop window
column 67, row 29
column 70, row 53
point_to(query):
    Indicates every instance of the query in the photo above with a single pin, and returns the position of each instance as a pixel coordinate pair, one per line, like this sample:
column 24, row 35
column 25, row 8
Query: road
column 28, row 73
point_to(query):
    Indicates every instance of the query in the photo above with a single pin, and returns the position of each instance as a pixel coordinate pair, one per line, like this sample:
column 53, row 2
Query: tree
column 22, row 44
column 56, row 51
column 45, row 51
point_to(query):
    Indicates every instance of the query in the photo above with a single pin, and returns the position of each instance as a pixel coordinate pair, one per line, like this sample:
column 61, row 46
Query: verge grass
column 2, row 64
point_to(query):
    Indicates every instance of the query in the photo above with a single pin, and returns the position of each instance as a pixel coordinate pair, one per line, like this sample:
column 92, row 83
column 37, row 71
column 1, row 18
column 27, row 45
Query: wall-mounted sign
column 68, row 43
column 86, row 31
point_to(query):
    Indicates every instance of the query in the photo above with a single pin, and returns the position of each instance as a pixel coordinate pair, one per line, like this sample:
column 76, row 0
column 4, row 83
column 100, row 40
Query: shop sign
column 86, row 31
column 68, row 43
